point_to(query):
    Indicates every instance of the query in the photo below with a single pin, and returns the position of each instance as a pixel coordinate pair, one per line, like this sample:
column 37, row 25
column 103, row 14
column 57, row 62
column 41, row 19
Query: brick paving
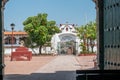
column 47, row 67
column 26, row 67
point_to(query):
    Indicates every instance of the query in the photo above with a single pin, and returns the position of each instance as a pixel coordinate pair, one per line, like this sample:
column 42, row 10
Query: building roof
column 15, row 32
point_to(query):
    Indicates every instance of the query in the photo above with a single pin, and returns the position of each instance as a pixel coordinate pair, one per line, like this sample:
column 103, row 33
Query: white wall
column 44, row 50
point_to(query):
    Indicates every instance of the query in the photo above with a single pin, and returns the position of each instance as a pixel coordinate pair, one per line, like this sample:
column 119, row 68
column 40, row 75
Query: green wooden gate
column 108, row 23
column 111, row 34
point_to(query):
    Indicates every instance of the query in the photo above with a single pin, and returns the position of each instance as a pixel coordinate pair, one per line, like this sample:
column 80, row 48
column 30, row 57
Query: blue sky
column 72, row 11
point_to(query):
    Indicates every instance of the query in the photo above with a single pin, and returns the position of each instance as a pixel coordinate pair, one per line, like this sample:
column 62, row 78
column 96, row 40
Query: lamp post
column 12, row 28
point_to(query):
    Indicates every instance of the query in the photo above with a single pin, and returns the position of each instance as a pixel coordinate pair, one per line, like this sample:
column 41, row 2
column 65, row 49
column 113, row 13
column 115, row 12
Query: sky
column 78, row 12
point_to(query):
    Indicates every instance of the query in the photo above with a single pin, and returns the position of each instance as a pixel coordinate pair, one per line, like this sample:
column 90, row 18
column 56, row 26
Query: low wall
column 47, row 50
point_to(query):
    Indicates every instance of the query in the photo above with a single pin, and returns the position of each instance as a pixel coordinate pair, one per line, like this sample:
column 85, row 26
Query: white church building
column 67, row 41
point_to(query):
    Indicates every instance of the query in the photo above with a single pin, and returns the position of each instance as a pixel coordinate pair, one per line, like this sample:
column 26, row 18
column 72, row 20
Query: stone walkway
column 61, row 68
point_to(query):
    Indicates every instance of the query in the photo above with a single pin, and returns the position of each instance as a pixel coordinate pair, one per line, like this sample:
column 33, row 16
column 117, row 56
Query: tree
column 52, row 29
column 36, row 28
column 81, row 33
column 92, row 34
column 40, row 30
column 87, row 33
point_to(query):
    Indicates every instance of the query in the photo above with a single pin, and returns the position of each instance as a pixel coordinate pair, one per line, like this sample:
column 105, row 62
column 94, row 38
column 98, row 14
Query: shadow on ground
column 59, row 75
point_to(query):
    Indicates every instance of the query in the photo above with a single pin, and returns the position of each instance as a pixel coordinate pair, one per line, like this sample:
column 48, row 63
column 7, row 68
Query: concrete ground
column 60, row 67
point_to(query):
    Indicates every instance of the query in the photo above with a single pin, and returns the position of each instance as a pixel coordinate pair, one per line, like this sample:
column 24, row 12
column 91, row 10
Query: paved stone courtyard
column 61, row 67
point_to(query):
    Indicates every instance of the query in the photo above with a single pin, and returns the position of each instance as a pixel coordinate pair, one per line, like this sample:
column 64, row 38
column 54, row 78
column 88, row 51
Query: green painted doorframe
column 1, row 42
column 2, row 5
column 100, row 32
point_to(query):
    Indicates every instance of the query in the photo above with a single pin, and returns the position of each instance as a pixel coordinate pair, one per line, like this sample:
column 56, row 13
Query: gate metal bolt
column 2, row 66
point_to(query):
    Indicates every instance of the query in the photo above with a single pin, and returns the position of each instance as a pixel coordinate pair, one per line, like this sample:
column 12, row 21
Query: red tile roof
column 17, row 33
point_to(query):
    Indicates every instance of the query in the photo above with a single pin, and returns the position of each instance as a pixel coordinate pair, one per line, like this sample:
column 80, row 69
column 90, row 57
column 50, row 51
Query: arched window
column 8, row 40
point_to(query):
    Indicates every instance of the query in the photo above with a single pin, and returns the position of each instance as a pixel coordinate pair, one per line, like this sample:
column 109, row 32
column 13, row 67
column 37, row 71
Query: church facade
column 67, row 41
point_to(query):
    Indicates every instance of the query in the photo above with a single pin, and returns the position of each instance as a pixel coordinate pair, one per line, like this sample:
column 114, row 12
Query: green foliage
column 83, row 47
column 40, row 30
column 52, row 29
column 87, row 34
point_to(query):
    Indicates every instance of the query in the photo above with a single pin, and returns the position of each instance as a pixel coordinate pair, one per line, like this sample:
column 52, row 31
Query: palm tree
column 92, row 36
column 81, row 33
column 87, row 33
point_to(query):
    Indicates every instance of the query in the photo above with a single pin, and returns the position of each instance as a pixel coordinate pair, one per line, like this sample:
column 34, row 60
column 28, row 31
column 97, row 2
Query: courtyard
column 61, row 67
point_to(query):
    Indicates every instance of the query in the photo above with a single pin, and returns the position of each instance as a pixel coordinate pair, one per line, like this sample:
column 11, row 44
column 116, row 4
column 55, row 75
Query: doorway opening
column 68, row 48
column 68, row 64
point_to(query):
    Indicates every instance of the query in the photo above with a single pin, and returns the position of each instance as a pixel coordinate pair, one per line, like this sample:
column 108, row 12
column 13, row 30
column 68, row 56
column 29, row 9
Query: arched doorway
column 65, row 43
column 68, row 48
